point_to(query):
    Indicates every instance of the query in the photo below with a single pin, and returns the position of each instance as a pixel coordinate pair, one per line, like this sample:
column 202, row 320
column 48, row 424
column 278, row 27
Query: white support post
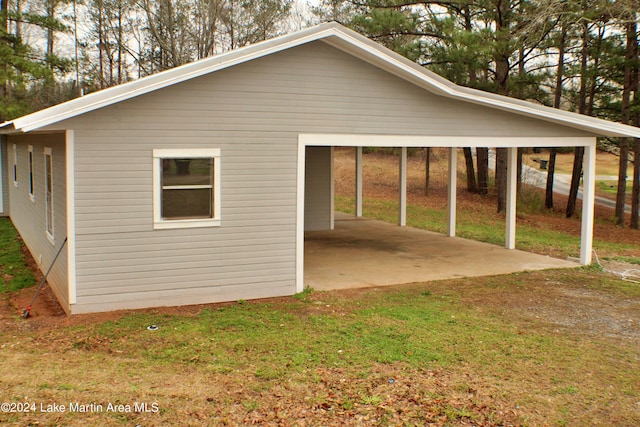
column 333, row 189
column 588, row 201
column 358, row 182
column 70, row 188
column 512, row 185
column 403, row 188
column 453, row 176
column 300, row 184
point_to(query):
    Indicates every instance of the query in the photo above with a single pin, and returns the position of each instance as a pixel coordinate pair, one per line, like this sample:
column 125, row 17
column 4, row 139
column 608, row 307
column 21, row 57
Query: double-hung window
column 30, row 164
column 186, row 188
column 48, row 192
column 15, row 165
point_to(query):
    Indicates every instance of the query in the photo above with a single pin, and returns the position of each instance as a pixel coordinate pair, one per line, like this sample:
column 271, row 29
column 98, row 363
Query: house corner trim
column 71, row 215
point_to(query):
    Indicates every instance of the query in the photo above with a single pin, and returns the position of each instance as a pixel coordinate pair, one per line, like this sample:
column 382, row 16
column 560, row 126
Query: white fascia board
column 364, row 140
column 7, row 128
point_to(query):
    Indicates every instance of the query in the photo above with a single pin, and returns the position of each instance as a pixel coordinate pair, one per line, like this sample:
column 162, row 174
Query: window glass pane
column 187, row 172
column 15, row 163
column 30, row 172
column 187, row 203
column 48, row 185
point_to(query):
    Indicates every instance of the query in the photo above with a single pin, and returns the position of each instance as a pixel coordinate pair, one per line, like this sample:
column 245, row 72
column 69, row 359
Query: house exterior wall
column 253, row 113
column 318, row 203
column 4, row 177
column 28, row 214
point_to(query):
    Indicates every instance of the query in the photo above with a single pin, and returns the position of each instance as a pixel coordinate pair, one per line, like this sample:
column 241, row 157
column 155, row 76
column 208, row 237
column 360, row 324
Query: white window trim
column 14, row 170
column 187, row 153
column 50, row 235
column 31, row 172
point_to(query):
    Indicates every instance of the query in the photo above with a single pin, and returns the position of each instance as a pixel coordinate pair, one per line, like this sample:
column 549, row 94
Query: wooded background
column 577, row 55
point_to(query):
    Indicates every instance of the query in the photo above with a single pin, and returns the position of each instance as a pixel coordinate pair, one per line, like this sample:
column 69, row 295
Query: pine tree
column 24, row 70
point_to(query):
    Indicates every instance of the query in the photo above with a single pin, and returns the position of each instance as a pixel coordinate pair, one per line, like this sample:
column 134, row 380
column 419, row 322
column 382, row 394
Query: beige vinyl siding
column 318, row 189
column 29, row 216
column 253, row 113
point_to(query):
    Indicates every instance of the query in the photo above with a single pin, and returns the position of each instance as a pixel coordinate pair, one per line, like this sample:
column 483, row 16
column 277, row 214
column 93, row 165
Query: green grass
column 611, row 187
column 481, row 227
column 405, row 334
column 235, row 337
column 13, row 267
column 409, row 326
column 627, row 259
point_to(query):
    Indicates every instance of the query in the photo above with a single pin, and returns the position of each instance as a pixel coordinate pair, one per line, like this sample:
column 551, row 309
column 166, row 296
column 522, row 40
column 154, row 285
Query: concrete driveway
column 364, row 252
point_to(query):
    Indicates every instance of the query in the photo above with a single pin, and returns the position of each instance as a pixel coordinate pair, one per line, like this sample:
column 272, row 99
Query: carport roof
column 335, row 35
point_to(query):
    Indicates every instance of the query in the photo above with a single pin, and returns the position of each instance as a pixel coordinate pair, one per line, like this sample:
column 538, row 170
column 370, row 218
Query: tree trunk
column 4, row 22
column 101, row 46
column 551, row 168
column 51, row 11
column 635, row 192
column 501, row 178
column 18, row 20
column 472, row 185
column 502, row 74
column 501, row 59
column 575, row 180
column 468, row 26
column 427, row 167
column 582, row 102
column 482, row 158
column 519, row 168
column 75, row 47
column 621, row 193
column 584, row 107
column 557, row 101
column 4, row 17
column 625, row 114
column 121, row 44
column 593, row 89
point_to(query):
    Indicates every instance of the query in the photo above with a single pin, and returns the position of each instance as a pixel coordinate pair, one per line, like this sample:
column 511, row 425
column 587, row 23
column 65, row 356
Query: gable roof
column 335, row 35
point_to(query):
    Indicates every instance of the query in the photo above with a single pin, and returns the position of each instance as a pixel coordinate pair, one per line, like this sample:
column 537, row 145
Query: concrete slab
column 363, row 252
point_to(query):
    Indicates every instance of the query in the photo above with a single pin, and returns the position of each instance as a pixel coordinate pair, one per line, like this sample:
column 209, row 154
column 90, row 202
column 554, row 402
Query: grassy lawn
column 484, row 227
column 440, row 353
column 611, row 188
column 607, row 163
column 13, row 267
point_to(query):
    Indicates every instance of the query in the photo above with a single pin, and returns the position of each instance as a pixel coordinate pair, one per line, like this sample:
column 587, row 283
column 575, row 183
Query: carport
column 323, row 242
column 429, row 112
column 362, row 252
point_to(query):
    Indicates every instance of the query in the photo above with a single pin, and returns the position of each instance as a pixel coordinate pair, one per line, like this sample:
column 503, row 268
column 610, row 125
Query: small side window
column 186, row 188
column 48, row 190
column 15, row 165
column 30, row 164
